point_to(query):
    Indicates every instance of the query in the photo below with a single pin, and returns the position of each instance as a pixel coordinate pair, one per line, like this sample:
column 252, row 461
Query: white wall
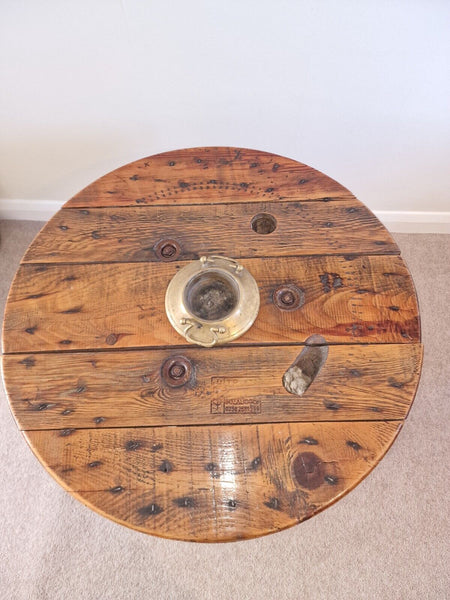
column 356, row 88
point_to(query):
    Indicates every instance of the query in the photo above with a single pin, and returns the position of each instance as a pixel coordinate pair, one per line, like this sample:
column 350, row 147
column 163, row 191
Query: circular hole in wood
column 211, row 296
column 264, row 223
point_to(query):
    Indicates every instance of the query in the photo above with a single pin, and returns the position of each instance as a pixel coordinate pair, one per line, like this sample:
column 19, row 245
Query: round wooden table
column 220, row 443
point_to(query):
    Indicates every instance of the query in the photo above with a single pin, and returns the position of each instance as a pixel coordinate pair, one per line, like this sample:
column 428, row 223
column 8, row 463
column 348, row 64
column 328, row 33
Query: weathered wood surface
column 130, row 235
column 127, row 389
column 230, row 453
column 213, row 483
column 347, row 299
column 207, row 176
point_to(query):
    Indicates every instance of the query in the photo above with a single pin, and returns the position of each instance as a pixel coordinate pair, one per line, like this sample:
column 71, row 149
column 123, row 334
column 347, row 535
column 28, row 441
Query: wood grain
column 206, row 176
column 127, row 389
column 130, row 235
column 347, row 299
column 235, row 482
column 226, row 452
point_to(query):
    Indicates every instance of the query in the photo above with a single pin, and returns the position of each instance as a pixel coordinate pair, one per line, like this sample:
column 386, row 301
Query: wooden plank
column 205, row 176
column 213, row 483
column 229, row 385
column 347, row 299
column 130, row 235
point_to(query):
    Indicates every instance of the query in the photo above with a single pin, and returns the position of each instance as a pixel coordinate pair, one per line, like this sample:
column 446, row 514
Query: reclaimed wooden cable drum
column 211, row 444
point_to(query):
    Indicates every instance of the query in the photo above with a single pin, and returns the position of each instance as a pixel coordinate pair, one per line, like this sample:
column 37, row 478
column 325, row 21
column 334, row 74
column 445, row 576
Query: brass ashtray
column 212, row 301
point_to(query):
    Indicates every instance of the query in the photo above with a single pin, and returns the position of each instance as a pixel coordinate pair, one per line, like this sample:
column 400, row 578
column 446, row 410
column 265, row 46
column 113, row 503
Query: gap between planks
column 191, row 346
column 197, row 202
column 237, row 424
column 139, row 262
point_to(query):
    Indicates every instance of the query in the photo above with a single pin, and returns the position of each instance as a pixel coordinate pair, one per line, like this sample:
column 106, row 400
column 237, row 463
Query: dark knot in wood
column 308, row 470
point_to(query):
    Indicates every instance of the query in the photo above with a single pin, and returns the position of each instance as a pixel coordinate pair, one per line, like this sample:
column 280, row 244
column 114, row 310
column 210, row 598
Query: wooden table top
column 227, row 452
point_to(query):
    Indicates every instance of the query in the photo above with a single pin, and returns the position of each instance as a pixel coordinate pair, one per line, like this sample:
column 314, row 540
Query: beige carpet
column 386, row 539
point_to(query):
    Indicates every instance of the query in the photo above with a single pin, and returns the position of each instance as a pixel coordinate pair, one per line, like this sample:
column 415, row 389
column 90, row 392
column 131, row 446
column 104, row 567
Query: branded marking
column 233, row 406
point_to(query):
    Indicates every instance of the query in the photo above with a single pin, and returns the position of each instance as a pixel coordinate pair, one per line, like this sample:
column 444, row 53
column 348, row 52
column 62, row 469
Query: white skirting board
column 401, row 221
column 415, row 221
column 28, row 210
